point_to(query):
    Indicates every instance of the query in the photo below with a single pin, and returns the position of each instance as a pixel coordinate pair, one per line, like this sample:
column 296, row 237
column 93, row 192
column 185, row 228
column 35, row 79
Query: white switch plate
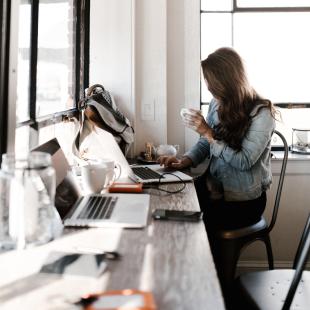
column 147, row 112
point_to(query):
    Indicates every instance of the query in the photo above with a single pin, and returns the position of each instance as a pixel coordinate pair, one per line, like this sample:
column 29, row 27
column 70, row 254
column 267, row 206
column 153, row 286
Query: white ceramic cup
column 94, row 177
column 115, row 169
column 186, row 113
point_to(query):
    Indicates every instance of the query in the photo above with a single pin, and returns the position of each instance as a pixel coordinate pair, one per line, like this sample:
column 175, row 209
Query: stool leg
column 269, row 251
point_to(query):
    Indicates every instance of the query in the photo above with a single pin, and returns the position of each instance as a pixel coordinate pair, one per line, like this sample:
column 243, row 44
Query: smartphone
column 177, row 215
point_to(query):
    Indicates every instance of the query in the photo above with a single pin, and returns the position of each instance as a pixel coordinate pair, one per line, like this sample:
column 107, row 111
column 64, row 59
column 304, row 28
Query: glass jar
column 34, row 217
column 7, row 241
column 300, row 141
column 39, row 162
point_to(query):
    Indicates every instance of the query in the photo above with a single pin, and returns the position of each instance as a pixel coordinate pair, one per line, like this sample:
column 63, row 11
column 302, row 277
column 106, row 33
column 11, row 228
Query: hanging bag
column 98, row 109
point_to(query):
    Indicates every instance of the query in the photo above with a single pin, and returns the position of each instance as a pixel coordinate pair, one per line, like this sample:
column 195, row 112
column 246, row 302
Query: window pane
column 216, row 5
column 23, row 64
column 215, row 33
column 276, row 49
column 272, row 3
column 204, row 109
column 55, row 68
column 292, row 118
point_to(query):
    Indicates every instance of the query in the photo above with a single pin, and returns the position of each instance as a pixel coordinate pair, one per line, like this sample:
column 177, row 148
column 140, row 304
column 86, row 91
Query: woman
column 236, row 136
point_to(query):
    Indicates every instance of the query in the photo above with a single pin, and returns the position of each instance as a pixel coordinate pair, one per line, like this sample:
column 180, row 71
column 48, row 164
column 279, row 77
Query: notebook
column 106, row 210
column 104, row 143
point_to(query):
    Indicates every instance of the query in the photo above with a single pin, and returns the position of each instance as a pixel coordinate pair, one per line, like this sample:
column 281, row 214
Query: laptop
column 156, row 174
column 96, row 210
column 137, row 173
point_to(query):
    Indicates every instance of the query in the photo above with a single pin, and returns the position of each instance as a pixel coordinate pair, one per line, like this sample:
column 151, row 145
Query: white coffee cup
column 186, row 113
column 115, row 169
column 94, row 177
column 187, row 117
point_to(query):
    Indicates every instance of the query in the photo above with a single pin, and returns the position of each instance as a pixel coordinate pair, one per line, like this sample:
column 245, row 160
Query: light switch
column 147, row 111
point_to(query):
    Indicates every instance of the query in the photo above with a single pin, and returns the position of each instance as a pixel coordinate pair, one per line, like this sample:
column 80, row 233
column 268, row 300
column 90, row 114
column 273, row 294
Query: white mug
column 94, row 177
column 115, row 169
column 186, row 113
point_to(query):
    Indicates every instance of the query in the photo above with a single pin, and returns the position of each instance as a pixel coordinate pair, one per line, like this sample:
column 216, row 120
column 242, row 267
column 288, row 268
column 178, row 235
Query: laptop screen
column 67, row 189
column 59, row 160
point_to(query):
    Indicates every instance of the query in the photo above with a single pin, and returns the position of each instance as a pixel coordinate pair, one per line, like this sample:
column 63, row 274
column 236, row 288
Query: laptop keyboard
column 98, row 207
column 145, row 173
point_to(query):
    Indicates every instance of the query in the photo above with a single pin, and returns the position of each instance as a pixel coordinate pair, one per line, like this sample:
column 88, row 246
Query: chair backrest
column 280, row 183
column 301, row 259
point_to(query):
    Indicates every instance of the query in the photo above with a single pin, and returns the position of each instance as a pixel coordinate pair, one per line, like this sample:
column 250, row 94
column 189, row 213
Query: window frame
column 82, row 16
column 5, row 10
column 236, row 9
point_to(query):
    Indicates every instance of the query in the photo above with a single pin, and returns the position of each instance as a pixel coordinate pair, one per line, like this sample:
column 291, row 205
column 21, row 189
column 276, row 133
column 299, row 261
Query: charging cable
column 166, row 190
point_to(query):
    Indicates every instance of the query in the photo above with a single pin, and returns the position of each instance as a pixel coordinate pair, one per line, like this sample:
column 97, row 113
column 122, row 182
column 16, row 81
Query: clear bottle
column 34, row 217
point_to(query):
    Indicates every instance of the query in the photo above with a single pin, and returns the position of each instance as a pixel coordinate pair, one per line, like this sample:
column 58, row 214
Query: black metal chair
column 275, row 289
column 231, row 242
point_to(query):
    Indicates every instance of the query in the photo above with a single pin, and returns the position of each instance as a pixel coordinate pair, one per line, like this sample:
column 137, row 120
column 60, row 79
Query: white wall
column 147, row 52
column 192, row 62
column 151, row 72
column 111, row 51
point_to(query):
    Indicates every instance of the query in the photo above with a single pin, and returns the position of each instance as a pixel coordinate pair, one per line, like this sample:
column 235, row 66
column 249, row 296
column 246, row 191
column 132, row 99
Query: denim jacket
column 243, row 174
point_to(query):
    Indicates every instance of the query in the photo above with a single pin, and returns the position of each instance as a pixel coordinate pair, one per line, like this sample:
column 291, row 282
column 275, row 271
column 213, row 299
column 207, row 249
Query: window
column 52, row 66
column 270, row 35
column 55, row 63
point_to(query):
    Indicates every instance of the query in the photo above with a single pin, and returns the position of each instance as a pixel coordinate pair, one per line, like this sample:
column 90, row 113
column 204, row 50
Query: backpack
column 99, row 108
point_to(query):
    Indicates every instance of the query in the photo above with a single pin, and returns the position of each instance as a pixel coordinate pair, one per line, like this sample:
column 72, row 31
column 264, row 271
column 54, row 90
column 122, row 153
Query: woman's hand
column 199, row 124
column 173, row 162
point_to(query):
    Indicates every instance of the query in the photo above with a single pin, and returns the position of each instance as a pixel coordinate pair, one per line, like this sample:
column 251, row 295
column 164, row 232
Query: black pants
column 221, row 214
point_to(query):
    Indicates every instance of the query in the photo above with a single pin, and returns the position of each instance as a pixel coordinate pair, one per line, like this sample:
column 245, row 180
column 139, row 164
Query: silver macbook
column 107, row 210
column 110, row 210
column 156, row 174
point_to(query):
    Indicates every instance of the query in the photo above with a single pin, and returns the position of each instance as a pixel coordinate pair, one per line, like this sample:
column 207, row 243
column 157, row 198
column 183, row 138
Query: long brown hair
column 226, row 79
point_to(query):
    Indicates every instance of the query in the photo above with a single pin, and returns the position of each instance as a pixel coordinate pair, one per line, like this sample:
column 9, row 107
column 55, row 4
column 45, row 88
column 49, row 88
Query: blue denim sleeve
column 253, row 145
column 199, row 152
